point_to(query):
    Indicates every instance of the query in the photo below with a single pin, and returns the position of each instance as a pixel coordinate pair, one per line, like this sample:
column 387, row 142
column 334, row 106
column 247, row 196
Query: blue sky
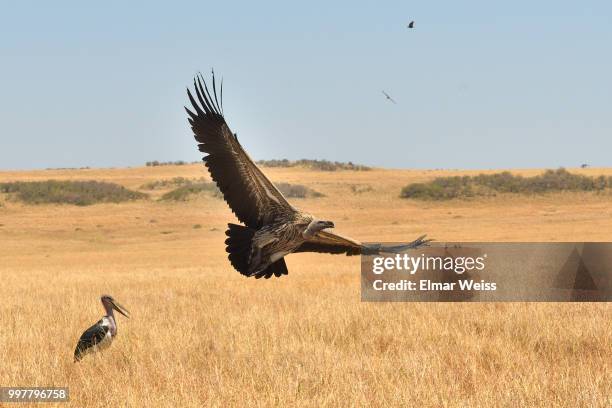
column 478, row 84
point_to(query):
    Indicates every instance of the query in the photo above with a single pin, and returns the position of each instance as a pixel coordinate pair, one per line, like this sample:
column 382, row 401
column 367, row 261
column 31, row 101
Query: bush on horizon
column 184, row 192
column 324, row 165
column 173, row 182
column 155, row 163
column 69, row 192
column 448, row 188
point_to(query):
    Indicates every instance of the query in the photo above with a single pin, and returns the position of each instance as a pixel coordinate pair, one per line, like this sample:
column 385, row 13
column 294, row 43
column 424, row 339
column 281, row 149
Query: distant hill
column 324, row 165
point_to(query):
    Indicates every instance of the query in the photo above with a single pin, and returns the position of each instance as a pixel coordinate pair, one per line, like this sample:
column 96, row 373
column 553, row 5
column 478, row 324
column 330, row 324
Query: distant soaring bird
column 100, row 335
column 388, row 97
column 411, row 24
column 273, row 227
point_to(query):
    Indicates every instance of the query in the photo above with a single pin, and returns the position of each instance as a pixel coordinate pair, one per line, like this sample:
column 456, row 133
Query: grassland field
column 203, row 335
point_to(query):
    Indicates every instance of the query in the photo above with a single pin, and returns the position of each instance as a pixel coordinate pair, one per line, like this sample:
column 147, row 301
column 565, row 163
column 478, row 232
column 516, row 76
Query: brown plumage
column 272, row 227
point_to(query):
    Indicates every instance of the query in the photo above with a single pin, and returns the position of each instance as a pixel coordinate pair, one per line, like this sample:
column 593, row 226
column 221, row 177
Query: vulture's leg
column 255, row 260
column 259, row 256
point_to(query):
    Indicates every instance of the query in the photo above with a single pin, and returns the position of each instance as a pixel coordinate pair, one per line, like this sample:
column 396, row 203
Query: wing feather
column 331, row 243
column 250, row 194
column 92, row 336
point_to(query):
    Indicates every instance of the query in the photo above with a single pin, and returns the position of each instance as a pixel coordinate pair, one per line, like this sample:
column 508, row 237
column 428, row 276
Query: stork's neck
column 111, row 318
column 112, row 325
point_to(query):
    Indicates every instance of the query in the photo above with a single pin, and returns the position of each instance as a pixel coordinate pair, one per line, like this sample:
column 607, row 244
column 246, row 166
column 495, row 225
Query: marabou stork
column 100, row 335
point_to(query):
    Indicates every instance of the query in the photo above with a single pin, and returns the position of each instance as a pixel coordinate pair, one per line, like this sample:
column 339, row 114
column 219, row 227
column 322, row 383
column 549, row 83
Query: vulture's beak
column 329, row 224
column 118, row 307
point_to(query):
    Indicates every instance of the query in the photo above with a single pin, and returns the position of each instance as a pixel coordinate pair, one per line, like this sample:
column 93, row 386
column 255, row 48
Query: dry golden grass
column 202, row 335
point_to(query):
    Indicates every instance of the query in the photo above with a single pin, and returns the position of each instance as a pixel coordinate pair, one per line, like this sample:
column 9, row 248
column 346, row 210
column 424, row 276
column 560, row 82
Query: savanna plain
column 203, row 335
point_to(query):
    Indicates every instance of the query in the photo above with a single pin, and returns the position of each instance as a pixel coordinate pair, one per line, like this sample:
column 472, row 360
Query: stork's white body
column 108, row 338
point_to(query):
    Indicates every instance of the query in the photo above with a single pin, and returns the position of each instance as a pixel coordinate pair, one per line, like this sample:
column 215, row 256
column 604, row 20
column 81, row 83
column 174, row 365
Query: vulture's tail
column 238, row 246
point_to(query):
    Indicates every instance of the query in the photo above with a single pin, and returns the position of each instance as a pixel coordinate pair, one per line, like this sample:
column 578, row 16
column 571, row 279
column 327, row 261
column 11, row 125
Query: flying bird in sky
column 272, row 228
column 100, row 335
column 411, row 24
column 388, row 97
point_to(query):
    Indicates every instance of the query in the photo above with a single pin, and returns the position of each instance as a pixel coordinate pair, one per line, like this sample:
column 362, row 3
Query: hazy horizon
column 477, row 85
column 199, row 162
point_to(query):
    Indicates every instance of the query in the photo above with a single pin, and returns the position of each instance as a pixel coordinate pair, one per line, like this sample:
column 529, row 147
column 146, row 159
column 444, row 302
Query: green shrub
column 168, row 183
column 440, row 190
column 69, row 192
column 361, row 188
column 446, row 188
column 183, row 193
column 297, row 191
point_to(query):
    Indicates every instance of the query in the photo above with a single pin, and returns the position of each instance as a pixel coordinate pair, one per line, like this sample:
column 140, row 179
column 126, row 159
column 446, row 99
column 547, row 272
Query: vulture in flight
column 272, row 228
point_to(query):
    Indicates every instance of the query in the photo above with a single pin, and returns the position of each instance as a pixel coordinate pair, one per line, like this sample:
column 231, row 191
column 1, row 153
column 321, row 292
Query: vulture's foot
column 374, row 249
column 419, row 242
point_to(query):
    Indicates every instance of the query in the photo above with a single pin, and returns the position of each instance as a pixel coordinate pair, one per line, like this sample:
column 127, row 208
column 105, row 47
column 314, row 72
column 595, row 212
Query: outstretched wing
column 92, row 336
column 331, row 243
column 251, row 196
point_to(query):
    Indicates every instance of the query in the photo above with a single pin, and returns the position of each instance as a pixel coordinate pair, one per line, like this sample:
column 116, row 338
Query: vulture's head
column 316, row 226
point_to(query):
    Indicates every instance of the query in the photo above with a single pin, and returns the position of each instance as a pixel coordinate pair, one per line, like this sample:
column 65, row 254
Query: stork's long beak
column 118, row 307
